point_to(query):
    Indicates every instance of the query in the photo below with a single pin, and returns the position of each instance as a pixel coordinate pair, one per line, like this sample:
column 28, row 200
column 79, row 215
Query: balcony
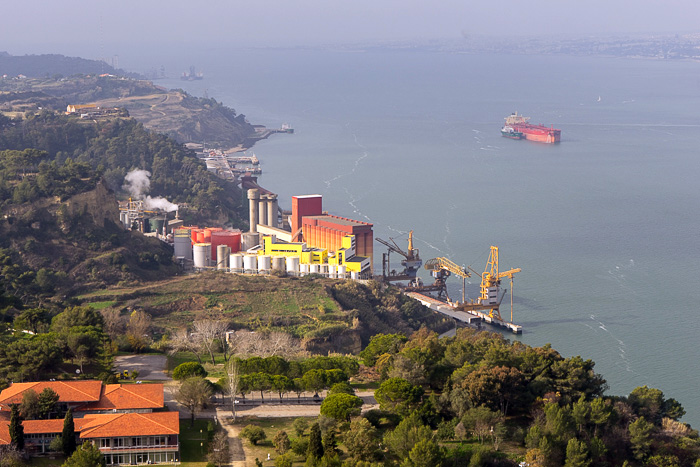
column 140, row 449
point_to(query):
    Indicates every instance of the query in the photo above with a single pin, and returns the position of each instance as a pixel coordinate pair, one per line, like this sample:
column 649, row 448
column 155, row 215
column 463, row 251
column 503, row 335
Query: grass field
column 194, row 442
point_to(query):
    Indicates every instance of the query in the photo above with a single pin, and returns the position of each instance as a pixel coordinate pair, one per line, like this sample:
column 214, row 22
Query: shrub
column 253, row 433
column 188, row 370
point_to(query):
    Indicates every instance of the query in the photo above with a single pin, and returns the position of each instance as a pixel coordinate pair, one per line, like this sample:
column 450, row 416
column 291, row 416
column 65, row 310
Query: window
column 117, row 442
column 104, row 442
column 136, row 441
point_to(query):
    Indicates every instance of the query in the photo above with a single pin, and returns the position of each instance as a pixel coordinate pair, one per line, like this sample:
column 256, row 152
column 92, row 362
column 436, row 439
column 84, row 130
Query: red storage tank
column 230, row 238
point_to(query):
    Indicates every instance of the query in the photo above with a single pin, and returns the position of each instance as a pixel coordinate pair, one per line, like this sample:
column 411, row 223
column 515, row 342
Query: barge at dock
column 540, row 133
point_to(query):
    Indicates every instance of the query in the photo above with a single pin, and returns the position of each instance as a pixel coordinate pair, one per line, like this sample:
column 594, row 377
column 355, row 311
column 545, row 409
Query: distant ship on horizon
column 192, row 75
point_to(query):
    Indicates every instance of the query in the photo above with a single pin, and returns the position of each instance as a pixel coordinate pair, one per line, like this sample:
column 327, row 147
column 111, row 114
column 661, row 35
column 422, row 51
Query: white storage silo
column 278, row 263
column 264, row 264
column 314, row 268
column 304, row 269
column 332, row 271
column 341, row 271
column 222, row 254
column 293, row 265
column 236, row 262
column 202, row 255
column 250, row 264
column 354, row 275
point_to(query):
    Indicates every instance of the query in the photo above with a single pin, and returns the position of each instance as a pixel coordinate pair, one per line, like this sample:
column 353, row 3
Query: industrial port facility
column 308, row 240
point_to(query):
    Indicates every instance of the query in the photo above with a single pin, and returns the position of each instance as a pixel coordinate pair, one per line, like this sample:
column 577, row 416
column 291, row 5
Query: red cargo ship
column 532, row 132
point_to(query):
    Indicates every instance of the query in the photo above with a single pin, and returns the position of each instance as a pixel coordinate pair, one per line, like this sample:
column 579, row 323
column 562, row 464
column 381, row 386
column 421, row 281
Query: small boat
column 509, row 132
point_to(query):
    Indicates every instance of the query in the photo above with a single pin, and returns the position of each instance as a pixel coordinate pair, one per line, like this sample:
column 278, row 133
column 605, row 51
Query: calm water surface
column 605, row 225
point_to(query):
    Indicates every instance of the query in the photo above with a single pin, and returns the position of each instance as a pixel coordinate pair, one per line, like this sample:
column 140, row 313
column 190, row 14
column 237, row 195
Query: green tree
column 282, row 442
column 188, row 370
column 576, row 454
column 406, row 434
column 361, row 440
column 30, row 405
column 481, row 421
column 76, row 316
column 314, row 380
column 315, row 443
column 425, row 453
column 651, row 404
column 398, row 395
column 285, row 460
column 281, row 384
column 341, row 406
column 341, row 388
column 16, row 428
column 194, row 393
column 300, row 425
column 87, row 456
column 640, row 437
column 253, row 433
column 382, row 344
column 48, row 401
column 35, row 320
column 68, row 434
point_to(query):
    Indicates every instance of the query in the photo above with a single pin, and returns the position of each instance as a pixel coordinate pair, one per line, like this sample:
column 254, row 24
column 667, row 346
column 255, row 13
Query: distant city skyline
column 104, row 29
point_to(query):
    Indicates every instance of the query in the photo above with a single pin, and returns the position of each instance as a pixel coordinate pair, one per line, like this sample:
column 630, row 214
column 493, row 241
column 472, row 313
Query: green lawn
column 194, row 441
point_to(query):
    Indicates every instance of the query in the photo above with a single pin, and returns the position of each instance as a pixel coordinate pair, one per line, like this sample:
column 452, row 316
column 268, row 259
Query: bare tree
column 263, row 344
column 137, row 329
column 281, row 343
column 219, row 449
column 114, row 322
column 181, row 340
column 207, row 332
column 233, row 380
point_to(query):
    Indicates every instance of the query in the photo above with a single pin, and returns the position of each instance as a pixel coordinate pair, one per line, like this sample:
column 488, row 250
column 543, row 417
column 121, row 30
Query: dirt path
column 238, row 458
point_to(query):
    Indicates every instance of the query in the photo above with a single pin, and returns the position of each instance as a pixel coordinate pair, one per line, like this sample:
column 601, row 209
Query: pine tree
column 16, row 428
column 68, row 435
column 315, row 443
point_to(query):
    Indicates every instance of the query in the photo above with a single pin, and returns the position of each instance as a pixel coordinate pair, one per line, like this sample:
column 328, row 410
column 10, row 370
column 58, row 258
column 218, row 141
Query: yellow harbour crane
column 441, row 268
column 490, row 291
column 490, row 284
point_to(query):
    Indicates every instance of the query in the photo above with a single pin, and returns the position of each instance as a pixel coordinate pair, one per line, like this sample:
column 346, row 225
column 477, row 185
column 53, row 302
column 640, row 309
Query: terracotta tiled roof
column 130, row 424
column 4, row 433
column 129, row 396
column 43, row 426
column 104, row 425
column 68, row 391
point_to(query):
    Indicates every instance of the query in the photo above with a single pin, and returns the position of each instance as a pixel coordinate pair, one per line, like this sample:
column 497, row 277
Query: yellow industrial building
column 344, row 256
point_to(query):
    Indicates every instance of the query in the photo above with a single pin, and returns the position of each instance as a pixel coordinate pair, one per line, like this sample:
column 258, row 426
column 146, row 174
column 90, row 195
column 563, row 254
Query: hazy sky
column 99, row 27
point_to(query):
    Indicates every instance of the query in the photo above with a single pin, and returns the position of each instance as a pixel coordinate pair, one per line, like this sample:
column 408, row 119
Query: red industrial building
column 321, row 230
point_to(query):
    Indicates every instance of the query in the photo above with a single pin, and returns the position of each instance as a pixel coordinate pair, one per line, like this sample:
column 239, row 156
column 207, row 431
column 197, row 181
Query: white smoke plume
column 138, row 183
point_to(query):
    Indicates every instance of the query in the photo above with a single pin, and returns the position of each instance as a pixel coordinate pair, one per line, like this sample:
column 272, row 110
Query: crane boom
column 446, row 264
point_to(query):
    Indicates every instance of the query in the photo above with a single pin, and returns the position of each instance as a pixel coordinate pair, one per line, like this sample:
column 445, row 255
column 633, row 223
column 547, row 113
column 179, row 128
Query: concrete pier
column 469, row 317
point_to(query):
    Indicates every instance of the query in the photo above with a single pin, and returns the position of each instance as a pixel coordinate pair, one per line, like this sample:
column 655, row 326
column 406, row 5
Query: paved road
column 150, row 367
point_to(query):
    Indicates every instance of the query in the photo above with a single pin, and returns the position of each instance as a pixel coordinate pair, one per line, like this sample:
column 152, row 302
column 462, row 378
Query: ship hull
column 539, row 133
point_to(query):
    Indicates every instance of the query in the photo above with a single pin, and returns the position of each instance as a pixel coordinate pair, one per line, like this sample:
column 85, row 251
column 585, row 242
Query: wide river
column 605, row 225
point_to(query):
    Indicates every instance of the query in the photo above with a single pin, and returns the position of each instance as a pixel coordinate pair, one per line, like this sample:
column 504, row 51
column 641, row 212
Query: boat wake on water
column 356, row 164
column 621, row 347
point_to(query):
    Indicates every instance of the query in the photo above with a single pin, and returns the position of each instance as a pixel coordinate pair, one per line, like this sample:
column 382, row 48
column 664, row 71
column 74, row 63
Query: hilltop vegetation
column 174, row 113
column 53, row 65
column 326, row 315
